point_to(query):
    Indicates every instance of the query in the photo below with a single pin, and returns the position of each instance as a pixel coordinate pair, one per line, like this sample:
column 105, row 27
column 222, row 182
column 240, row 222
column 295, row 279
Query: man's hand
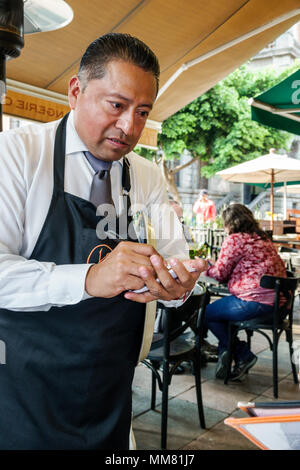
column 210, row 261
column 168, row 288
column 119, row 271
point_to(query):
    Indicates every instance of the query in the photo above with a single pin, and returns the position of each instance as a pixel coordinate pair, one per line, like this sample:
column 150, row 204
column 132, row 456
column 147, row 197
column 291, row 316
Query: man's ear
column 73, row 91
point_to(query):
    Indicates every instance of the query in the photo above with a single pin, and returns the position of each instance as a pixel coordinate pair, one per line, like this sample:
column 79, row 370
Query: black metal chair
column 280, row 320
column 174, row 346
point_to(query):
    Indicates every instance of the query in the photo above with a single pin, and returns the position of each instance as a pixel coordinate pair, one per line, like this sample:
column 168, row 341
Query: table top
column 286, row 239
column 207, row 279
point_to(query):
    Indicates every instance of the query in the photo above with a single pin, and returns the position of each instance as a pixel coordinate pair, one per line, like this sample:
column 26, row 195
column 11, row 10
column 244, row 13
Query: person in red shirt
column 204, row 208
column 246, row 255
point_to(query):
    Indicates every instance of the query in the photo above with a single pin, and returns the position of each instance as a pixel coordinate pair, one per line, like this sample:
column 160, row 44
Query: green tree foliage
column 217, row 126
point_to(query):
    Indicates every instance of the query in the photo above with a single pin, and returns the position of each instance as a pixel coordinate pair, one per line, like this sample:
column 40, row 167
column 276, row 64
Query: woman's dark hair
column 116, row 46
column 238, row 218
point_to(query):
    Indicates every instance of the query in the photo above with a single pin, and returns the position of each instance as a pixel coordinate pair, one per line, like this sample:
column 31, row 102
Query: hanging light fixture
column 11, row 28
column 46, row 15
column 11, row 39
column 19, row 17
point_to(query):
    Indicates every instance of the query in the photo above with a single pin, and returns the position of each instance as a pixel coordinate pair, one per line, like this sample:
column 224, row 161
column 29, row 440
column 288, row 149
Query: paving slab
column 218, row 396
column 141, row 400
column 287, row 390
column 264, row 363
column 180, row 383
column 222, row 437
column 255, row 382
column 183, row 425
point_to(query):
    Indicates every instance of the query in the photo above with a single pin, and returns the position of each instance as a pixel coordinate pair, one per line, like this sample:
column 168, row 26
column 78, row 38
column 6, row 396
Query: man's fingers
column 134, row 283
column 170, row 287
column 184, row 277
column 145, row 297
column 198, row 264
column 125, row 266
column 168, row 282
column 139, row 248
column 127, row 261
column 167, row 288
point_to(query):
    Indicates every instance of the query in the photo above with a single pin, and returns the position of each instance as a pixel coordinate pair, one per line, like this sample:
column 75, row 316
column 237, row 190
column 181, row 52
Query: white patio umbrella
column 271, row 168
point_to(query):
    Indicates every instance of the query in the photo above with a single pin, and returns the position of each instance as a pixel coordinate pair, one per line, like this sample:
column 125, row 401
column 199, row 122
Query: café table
column 289, row 239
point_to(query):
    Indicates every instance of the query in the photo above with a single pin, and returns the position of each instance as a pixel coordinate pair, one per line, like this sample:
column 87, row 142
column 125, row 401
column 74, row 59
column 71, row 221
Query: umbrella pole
column 285, row 201
column 272, row 199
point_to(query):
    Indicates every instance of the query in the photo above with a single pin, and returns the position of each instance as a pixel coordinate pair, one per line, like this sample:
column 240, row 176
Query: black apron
column 67, row 379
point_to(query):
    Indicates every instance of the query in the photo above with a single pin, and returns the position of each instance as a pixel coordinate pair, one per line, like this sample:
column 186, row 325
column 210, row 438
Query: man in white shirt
column 72, row 326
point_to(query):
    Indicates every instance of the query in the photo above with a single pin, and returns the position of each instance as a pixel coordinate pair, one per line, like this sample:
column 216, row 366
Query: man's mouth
column 118, row 142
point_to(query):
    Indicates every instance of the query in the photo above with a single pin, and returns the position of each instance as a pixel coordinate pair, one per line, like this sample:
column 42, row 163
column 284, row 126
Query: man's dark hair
column 238, row 218
column 116, row 46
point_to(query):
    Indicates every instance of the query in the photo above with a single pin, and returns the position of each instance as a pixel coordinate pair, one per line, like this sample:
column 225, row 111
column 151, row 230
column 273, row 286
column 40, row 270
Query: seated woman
column 246, row 255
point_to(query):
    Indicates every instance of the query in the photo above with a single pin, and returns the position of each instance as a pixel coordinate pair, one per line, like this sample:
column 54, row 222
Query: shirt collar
column 74, row 143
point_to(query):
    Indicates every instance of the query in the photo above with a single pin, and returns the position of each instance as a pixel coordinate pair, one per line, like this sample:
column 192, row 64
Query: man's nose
column 126, row 123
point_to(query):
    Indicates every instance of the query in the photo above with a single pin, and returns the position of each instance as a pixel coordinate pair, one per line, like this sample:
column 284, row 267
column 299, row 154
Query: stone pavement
column 220, row 401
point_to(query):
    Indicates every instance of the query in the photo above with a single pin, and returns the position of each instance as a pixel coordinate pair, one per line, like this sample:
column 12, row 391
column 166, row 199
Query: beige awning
column 217, row 35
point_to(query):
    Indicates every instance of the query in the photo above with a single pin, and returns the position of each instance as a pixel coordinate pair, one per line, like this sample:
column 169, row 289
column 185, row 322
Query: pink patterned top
column 243, row 260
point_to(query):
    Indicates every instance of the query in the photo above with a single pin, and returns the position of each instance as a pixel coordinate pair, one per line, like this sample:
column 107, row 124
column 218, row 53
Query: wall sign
column 31, row 107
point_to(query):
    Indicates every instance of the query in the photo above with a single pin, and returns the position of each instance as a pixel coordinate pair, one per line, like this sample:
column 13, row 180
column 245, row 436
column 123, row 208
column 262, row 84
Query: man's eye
column 144, row 114
column 116, row 105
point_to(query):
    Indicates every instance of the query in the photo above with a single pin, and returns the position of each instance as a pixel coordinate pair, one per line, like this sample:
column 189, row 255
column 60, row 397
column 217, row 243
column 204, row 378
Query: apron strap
column 126, row 185
column 126, row 175
column 59, row 155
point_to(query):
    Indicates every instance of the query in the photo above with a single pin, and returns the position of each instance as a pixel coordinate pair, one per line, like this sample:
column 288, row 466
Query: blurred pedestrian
column 204, row 208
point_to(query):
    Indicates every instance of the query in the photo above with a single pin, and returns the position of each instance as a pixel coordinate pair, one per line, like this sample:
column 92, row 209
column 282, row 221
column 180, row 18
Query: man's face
column 111, row 112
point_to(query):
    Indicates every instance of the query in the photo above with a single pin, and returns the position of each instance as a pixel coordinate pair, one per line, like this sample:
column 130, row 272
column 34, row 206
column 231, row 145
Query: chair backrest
column 285, row 286
column 189, row 315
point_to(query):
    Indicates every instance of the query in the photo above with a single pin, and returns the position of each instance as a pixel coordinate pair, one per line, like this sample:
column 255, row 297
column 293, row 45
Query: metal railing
column 259, row 201
column 213, row 238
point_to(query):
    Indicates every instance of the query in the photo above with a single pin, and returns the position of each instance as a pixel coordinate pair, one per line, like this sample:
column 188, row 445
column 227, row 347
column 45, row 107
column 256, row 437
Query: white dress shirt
column 26, row 186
